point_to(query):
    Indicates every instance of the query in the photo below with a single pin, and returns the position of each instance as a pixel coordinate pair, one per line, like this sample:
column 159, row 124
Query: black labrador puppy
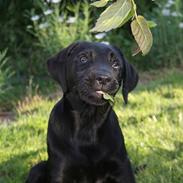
column 85, row 143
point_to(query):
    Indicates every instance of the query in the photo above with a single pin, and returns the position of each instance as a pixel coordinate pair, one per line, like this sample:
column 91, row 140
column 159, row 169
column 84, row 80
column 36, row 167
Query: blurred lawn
column 152, row 124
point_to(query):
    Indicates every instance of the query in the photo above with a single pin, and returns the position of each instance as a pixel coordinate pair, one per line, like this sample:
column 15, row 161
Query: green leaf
column 108, row 97
column 135, row 50
column 142, row 34
column 100, row 3
column 130, row 15
column 114, row 16
column 151, row 24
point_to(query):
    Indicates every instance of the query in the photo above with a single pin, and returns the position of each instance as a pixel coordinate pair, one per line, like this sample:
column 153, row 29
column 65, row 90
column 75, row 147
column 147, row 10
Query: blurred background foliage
column 32, row 31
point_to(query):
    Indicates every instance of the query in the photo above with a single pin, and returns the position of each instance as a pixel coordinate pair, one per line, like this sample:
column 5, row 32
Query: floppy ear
column 129, row 76
column 129, row 79
column 57, row 66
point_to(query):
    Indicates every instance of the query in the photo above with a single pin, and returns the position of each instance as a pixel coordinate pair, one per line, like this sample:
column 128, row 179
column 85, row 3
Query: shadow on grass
column 162, row 165
column 17, row 167
column 134, row 120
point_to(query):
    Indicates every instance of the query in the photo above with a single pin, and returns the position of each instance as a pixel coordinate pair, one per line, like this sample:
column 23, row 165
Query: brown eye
column 83, row 60
column 115, row 65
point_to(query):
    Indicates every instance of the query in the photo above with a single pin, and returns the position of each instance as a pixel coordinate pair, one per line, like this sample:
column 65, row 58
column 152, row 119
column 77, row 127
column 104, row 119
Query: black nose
column 103, row 79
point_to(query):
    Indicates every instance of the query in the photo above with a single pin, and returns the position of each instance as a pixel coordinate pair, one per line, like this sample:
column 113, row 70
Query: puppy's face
column 90, row 69
column 96, row 69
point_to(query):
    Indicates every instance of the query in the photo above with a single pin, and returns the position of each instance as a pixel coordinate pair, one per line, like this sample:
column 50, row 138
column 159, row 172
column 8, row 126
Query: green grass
column 152, row 124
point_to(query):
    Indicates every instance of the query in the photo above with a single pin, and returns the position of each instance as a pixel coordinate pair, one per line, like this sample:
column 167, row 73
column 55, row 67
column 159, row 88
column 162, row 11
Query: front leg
column 127, row 175
column 55, row 170
column 67, row 172
column 68, row 169
column 124, row 174
column 116, row 172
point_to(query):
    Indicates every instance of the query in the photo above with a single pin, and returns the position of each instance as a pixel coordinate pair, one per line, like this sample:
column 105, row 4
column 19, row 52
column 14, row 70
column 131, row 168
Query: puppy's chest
column 84, row 129
column 85, row 136
column 86, row 139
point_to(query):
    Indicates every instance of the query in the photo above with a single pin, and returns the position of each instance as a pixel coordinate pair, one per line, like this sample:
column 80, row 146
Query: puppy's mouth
column 99, row 93
column 97, row 97
column 106, row 96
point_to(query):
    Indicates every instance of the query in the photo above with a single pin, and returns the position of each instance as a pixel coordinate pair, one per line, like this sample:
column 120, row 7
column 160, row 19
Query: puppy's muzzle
column 103, row 80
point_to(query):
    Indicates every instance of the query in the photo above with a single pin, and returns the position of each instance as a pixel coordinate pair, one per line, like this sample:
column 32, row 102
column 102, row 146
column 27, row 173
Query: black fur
column 85, row 142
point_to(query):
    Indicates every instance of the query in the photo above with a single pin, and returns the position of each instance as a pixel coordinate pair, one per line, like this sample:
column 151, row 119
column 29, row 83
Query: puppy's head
column 92, row 68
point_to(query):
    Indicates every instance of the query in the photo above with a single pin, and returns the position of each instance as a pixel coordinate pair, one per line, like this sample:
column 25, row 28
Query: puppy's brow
column 83, row 53
column 88, row 53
